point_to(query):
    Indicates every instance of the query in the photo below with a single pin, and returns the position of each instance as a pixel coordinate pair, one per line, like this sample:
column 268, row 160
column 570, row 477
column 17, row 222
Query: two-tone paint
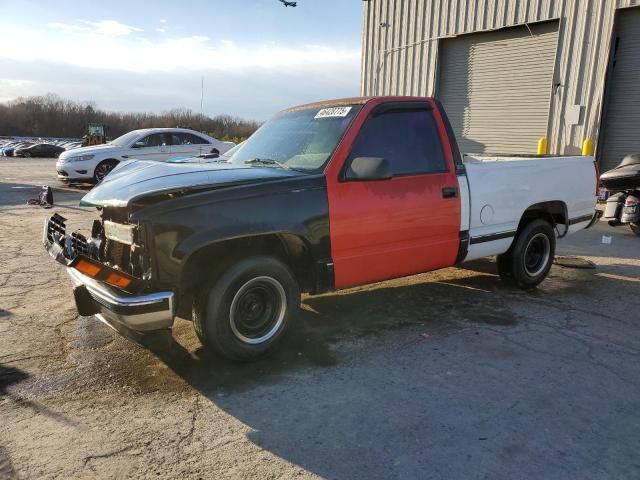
column 337, row 233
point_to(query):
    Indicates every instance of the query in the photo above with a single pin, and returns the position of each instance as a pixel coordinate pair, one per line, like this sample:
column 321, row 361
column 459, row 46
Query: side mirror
column 367, row 169
column 215, row 153
column 139, row 145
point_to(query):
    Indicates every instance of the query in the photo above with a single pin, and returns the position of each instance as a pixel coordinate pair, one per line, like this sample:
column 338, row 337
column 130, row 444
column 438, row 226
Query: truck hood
column 137, row 178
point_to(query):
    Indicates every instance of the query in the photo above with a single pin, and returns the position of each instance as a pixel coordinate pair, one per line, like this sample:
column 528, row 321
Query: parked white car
column 160, row 144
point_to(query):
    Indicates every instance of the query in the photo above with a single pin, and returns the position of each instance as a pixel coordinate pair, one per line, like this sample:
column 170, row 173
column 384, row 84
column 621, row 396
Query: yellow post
column 543, row 146
column 587, row 147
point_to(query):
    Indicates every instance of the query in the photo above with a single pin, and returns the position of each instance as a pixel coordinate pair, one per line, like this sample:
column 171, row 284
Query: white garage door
column 496, row 87
column 622, row 115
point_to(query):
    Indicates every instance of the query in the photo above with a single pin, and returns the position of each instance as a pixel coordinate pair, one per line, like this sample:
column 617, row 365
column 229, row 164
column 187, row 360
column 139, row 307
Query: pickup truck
column 322, row 197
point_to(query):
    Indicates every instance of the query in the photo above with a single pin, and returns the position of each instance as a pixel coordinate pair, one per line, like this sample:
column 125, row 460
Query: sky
column 256, row 56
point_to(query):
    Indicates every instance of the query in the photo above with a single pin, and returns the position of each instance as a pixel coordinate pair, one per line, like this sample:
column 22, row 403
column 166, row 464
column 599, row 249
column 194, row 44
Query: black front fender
column 296, row 207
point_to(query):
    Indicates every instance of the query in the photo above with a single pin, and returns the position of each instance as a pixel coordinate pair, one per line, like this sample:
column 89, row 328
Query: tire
column 504, row 264
column 245, row 310
column 103, row 169
column 528, row 262
column 635, row 228
column 26, row 155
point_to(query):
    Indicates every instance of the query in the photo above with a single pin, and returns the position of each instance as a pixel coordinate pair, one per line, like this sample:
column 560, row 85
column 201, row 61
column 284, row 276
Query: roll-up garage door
column 622, row 114
column 496, row 87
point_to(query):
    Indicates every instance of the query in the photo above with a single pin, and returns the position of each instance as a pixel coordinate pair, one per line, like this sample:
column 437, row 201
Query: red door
column 406, row 224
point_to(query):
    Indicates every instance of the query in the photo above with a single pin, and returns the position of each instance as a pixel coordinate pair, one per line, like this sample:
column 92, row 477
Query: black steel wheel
column 537, row 254
column 257, row 310
column 528, row 262
column 245, row 310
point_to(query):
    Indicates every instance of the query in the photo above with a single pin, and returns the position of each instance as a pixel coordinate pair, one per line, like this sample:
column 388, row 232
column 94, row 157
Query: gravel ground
column 447, row 375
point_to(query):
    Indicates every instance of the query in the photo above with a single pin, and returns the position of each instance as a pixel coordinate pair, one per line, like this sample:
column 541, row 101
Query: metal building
column 511, row 71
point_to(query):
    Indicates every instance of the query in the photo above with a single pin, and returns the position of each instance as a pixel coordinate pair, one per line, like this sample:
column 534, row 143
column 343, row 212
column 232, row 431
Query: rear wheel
column 528, row 262
column 103, row 169
column 246, row 309
column 635, row 228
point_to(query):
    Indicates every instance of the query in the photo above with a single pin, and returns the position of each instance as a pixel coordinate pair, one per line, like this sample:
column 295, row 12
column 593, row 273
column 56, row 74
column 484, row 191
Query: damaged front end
column 110, row 273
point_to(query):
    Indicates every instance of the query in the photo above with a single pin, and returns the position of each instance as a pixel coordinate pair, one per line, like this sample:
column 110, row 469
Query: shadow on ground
column 434, row 306
column 441, row 306
column 398, row 407
column 20, row 193
column 8, row 377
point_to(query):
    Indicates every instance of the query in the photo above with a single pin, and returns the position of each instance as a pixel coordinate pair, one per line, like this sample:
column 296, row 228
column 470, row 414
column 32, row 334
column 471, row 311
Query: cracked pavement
column 444, row 375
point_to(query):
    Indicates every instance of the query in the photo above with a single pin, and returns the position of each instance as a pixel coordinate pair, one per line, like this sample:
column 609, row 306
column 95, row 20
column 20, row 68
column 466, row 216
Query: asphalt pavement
column 446, row 375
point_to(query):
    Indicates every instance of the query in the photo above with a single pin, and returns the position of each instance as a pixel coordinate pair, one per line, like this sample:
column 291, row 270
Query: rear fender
column 555, row 212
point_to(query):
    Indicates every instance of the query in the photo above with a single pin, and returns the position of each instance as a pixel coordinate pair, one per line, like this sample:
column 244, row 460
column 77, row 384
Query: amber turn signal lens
column 118, row 280
column 88, row 268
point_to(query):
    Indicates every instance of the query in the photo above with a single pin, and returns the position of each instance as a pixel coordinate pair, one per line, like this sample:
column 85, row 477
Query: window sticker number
column 333, row 112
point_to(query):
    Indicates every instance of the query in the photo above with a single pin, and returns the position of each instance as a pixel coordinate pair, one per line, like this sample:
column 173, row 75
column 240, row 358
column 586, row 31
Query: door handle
column 449, row 192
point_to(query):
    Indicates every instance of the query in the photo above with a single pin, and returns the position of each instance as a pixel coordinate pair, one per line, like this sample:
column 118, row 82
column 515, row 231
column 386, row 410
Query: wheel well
column 208, row 261
column 555, row 212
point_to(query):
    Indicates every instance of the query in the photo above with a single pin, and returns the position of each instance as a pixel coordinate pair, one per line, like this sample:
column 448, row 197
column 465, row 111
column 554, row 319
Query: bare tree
column 52, row 116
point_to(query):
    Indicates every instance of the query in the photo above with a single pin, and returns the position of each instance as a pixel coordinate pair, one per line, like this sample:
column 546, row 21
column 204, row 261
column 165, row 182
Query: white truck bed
column 497, row 190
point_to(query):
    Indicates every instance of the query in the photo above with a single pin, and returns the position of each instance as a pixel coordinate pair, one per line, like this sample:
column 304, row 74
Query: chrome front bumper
column 141, row 313
column 136, row 312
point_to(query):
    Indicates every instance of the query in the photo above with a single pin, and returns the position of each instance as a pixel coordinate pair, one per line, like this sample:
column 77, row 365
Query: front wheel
column 103, row 169
column 528, row 262
column 635, row 228
column 26, row 155
column 245, row 310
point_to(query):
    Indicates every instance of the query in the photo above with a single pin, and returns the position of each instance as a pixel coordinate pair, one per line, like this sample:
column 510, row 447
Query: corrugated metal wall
column 401, row 39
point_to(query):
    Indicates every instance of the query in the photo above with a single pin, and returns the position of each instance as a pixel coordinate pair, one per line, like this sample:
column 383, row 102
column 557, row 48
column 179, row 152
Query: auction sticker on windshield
column 333, row 112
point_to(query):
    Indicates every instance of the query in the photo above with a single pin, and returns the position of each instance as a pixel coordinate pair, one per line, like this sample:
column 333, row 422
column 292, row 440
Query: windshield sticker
column 333, row 112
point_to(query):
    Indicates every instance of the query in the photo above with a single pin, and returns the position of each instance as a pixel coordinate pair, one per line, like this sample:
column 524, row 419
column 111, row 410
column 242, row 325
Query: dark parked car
column 39, row 150
column 9, row 151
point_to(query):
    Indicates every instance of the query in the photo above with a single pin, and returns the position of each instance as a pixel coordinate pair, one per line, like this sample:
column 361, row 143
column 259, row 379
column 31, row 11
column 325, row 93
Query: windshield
column 125, row 139
column 300, row 139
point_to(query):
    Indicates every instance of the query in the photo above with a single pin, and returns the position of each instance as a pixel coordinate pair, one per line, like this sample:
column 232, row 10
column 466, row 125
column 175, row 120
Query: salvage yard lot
column 449, row 374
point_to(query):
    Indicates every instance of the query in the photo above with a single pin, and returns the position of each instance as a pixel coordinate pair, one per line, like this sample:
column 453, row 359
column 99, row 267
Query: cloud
column 163, row 20
column 120, row 68
column 119, row 50
column 256, row 93
column 109, row 28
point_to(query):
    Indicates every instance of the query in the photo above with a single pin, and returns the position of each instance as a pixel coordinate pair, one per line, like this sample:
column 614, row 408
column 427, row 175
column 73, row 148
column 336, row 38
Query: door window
column 407, row 139
column 155, row 140
column 182, row 138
